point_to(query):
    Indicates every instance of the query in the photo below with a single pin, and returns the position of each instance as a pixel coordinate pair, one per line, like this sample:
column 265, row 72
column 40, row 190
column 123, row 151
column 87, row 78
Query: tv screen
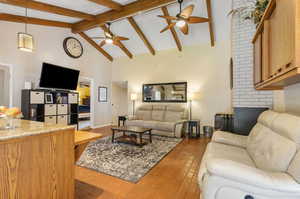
column 53, row 76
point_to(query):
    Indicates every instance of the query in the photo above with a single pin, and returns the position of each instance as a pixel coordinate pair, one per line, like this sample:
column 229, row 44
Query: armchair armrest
column 230, row 139
column 178, row 128
column 131, row 117
column 241, row 173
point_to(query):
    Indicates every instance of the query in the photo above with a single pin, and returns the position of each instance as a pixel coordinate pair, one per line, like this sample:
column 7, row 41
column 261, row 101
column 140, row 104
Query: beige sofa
column 166, row 120
column 263, row 165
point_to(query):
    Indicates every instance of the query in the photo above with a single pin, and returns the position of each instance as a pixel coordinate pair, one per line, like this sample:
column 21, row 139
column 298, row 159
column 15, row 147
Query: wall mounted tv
column 58, row 77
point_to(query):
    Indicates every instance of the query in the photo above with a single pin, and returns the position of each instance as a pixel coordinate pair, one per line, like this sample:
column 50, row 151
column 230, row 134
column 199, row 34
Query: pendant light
column 25, row 40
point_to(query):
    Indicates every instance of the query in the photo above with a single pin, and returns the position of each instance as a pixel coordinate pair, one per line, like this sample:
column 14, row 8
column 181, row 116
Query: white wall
column 206, row 70
column 48, row 48
column 287, row 100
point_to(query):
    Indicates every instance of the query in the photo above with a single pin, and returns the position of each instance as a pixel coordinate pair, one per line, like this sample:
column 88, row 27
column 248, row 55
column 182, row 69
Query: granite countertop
column 30, row 128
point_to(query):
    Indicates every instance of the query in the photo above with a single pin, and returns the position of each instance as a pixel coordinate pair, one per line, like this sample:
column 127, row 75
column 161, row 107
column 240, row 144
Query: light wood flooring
column 174, row 177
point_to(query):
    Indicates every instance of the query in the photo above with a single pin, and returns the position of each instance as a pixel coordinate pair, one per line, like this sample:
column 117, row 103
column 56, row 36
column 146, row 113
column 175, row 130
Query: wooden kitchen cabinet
column 278, row 36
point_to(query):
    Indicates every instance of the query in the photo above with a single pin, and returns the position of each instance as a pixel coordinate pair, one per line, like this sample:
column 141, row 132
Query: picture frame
column 49, row 98
column 102, row 94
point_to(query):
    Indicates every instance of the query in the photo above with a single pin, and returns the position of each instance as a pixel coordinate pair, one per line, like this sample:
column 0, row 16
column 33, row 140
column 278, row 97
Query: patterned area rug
column 125, row 161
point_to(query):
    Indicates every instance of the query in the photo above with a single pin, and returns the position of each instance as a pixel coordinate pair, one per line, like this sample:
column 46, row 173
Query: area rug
column 127, row 162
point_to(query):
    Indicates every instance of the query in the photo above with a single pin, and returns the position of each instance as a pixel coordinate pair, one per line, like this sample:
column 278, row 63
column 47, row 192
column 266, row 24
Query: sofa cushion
column 228, row 152
column 139, row 123
column 143, row 115
column 174, row 113
column 266, row 118
column 158, row 112
column 288, row 126
column 269, row 150
column 293, row 169
column 223, row 151
column 165, row 126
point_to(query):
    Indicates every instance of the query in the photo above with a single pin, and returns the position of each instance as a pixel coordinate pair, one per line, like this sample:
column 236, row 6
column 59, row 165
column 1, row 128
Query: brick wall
column 244, row 94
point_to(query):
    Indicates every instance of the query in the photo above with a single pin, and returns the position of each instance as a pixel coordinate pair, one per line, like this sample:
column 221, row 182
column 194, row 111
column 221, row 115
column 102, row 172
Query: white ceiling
column 148, row 22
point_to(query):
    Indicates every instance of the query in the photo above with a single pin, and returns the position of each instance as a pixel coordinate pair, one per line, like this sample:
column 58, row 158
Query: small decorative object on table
column 7, row 115
column 194, row 124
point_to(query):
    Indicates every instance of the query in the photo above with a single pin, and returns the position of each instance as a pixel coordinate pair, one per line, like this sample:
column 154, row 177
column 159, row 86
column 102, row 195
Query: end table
column 194, row 124
column 122, row 118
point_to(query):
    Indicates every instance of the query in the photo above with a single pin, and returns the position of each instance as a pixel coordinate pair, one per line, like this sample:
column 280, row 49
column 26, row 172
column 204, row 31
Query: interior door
column 119, row 100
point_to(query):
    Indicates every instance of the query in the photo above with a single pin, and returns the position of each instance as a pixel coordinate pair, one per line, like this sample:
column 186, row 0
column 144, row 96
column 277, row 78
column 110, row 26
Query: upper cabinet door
column 257, row 60
column 282, row 35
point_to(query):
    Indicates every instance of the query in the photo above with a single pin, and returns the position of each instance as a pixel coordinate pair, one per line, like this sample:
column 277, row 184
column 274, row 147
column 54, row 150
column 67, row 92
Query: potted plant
column 253, row 10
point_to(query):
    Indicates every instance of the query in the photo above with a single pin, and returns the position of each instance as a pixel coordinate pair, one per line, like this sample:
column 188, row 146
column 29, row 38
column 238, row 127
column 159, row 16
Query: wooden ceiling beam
column 35, row 5
column 121, row 45
column 174, row 34
column 141, row 34
column 210, row 23
column 36, row 21
column 127, row 11
column 95, row 45
column 109, row 3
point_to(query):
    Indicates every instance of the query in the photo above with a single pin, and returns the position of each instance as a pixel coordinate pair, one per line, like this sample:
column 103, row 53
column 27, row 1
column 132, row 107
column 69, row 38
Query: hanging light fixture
column 25, row 40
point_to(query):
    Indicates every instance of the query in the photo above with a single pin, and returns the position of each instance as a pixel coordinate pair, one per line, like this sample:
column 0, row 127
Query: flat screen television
column 58, row 77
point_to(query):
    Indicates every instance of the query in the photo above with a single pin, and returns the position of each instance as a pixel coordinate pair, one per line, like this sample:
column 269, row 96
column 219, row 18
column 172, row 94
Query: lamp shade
column 25, row 42
column 133, row 96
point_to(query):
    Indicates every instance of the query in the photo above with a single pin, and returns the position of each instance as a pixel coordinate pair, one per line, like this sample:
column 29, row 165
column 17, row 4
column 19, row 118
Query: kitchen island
column 37, row 161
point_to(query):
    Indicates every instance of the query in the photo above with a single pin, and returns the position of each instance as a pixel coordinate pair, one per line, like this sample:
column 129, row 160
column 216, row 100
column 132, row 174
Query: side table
column 122, row 119
column 194, row 125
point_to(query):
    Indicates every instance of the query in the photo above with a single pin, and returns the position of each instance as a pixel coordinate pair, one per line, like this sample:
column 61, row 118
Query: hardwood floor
column 175, row 177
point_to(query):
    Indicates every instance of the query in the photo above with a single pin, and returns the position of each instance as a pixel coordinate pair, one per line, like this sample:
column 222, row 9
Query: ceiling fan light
column 25, row 42
column 180, row 23
column 109, row 41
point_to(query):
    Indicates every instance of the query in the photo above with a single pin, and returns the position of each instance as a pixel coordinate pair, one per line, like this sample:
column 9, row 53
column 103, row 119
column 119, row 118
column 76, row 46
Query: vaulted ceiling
column 142, row 28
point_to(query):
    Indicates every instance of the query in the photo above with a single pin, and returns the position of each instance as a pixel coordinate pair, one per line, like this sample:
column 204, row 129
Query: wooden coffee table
column 130, row 139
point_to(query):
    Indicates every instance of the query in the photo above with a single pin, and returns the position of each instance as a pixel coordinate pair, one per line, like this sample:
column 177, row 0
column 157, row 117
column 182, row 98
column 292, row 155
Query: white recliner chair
column 263, row 165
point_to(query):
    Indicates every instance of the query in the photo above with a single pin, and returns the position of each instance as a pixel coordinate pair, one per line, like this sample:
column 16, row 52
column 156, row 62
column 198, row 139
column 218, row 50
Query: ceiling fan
column 183, row 18
column 110, row 38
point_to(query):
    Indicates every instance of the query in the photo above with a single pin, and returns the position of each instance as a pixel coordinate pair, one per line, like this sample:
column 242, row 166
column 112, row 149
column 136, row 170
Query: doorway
column 5, row 85
column 85, row 107
column 119, row 100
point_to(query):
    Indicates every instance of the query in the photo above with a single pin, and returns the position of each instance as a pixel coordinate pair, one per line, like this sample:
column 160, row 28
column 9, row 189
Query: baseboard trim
column 100, row 126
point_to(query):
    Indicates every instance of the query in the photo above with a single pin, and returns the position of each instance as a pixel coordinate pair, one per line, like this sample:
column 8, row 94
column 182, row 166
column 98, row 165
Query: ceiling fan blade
column 185, row 29
column 171, row 25
column 197, row 20
column 187, row 12
column 102, row 43
column 98, row 37
column 117, row 43
column 121, row 38
column 168, row 17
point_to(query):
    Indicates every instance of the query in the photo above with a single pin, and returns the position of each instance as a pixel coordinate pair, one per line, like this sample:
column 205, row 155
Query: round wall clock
column 73, row 47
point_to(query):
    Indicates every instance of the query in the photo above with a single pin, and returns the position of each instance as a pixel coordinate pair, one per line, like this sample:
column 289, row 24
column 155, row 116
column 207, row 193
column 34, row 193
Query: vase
column 6, row 122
